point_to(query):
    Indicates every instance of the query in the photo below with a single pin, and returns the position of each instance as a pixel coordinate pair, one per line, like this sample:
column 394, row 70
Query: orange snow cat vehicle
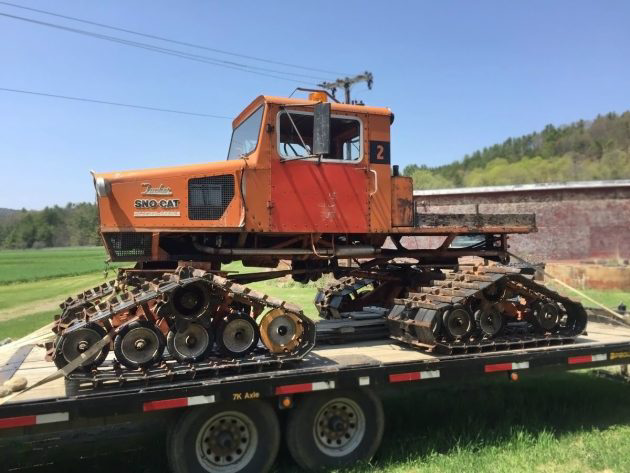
column 310, row 182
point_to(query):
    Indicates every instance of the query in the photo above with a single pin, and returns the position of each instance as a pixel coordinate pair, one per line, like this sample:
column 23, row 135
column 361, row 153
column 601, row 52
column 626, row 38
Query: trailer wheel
column 336, row 429
column 227, row 438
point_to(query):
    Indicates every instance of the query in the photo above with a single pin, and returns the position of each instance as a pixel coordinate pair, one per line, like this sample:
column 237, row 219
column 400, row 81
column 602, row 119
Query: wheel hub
column 238, row 335
column 191, row 301
column 139, row 345
column 458, row 322
column 192, row 342
column 339, row 427
column 281, row 331
column 226, row 442
column 75, row 343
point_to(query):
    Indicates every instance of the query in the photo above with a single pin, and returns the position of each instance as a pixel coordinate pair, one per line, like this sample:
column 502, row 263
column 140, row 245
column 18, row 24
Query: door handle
column 375, row 182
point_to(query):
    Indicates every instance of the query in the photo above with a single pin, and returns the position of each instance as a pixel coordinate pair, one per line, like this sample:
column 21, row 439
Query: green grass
column 34, row 265
column 25, row 324
column 14, row 295
column 565, row 422
column 610, row 299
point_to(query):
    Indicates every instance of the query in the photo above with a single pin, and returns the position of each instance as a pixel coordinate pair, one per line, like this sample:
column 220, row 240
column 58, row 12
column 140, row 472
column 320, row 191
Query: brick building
column 576, row 220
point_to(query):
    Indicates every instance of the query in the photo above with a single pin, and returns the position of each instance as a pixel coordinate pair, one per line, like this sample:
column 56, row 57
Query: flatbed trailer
column 333, row 414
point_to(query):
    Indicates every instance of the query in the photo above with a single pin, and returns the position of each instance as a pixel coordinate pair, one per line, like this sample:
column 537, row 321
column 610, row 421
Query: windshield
column 245, row 136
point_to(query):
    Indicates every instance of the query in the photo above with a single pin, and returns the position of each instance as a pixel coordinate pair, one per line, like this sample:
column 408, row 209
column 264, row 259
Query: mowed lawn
column 34, row 265
column 562, row 422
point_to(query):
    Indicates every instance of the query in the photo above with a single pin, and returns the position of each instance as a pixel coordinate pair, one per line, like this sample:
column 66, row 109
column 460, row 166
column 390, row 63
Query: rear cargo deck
column 376, row 363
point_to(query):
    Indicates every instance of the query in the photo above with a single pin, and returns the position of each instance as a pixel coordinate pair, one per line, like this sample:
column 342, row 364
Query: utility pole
column 346, row 83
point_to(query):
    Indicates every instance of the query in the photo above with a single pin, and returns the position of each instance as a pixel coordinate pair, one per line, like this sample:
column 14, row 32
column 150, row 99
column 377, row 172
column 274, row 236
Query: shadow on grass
column 421, row 423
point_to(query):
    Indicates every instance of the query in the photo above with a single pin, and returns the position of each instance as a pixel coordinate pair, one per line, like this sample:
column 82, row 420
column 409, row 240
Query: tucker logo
column 156, row 207
column 160, row 190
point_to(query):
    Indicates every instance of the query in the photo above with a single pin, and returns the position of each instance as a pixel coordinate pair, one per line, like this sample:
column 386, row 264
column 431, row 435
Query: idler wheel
column 547, row 316
column 190, row 343
column 139, row 345
column 281, row 331
column 237, row 335
column 456, row 323
column 489, row 321
column 191, row 301
column 71, row 345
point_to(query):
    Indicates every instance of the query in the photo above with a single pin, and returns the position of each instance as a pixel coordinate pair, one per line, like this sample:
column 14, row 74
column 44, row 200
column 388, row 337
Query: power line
column 162, row 38
column 167, row 51
column 118, row 104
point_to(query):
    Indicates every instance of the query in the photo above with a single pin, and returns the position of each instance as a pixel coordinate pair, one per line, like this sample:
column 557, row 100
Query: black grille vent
column 129, row 244
column 208, row 197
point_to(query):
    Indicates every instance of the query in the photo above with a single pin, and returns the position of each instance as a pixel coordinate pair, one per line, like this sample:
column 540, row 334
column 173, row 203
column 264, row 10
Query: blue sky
column 458, row 75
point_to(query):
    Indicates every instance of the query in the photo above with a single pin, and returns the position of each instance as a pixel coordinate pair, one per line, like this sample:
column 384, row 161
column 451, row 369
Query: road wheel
column 457, row 323
column 226, row 438
column 71, row 345
column 336, row 429
column 237, row 335
column 139, row 345
column 191, row 343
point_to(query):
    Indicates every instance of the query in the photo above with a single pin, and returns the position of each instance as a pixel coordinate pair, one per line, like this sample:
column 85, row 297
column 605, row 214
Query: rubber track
column 408, row 314
column 328, row 300
column 120, row 302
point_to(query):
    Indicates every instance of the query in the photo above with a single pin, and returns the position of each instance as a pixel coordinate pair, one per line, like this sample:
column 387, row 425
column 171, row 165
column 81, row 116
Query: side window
column 295, row 137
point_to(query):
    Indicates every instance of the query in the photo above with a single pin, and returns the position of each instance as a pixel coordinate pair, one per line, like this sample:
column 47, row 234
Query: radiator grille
column 208, row 197
column 129, row 244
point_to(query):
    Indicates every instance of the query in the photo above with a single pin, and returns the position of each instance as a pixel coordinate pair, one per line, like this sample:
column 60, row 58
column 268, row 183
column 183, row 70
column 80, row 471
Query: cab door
column 319, row 195
column 379, row 162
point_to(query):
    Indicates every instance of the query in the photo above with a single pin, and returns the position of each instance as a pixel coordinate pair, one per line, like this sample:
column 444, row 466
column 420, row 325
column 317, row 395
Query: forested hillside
column 581, row 151
column 72, row 225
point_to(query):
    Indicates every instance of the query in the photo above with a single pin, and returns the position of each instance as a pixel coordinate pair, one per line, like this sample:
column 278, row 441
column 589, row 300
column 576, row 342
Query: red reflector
column 23, row 421
column 401, row 377
column 166, row 404
column 498, row 367
column 294, row 388
column 575, row 360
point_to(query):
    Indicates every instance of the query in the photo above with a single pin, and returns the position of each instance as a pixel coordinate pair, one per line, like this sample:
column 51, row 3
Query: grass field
column 34, row 265
column 567, row 422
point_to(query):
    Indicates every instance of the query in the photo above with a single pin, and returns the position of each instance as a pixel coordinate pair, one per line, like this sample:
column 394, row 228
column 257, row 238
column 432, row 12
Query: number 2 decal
column 379, row 152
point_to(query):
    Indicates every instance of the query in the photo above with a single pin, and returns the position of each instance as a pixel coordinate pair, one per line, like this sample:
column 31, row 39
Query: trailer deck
column 375, row 363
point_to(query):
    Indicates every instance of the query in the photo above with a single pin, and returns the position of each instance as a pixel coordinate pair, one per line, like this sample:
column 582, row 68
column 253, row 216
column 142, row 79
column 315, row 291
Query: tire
column 60, row 359
column 156, row 348
column 223, row 341
column 185, row 354
column 189, row 433
column 304, row 426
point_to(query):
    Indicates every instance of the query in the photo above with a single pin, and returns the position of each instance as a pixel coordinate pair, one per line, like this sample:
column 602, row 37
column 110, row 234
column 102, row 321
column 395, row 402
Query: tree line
column 581, row 151
column 72, row 225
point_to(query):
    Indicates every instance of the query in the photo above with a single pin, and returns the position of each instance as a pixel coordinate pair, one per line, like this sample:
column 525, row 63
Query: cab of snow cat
column 293, row 167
